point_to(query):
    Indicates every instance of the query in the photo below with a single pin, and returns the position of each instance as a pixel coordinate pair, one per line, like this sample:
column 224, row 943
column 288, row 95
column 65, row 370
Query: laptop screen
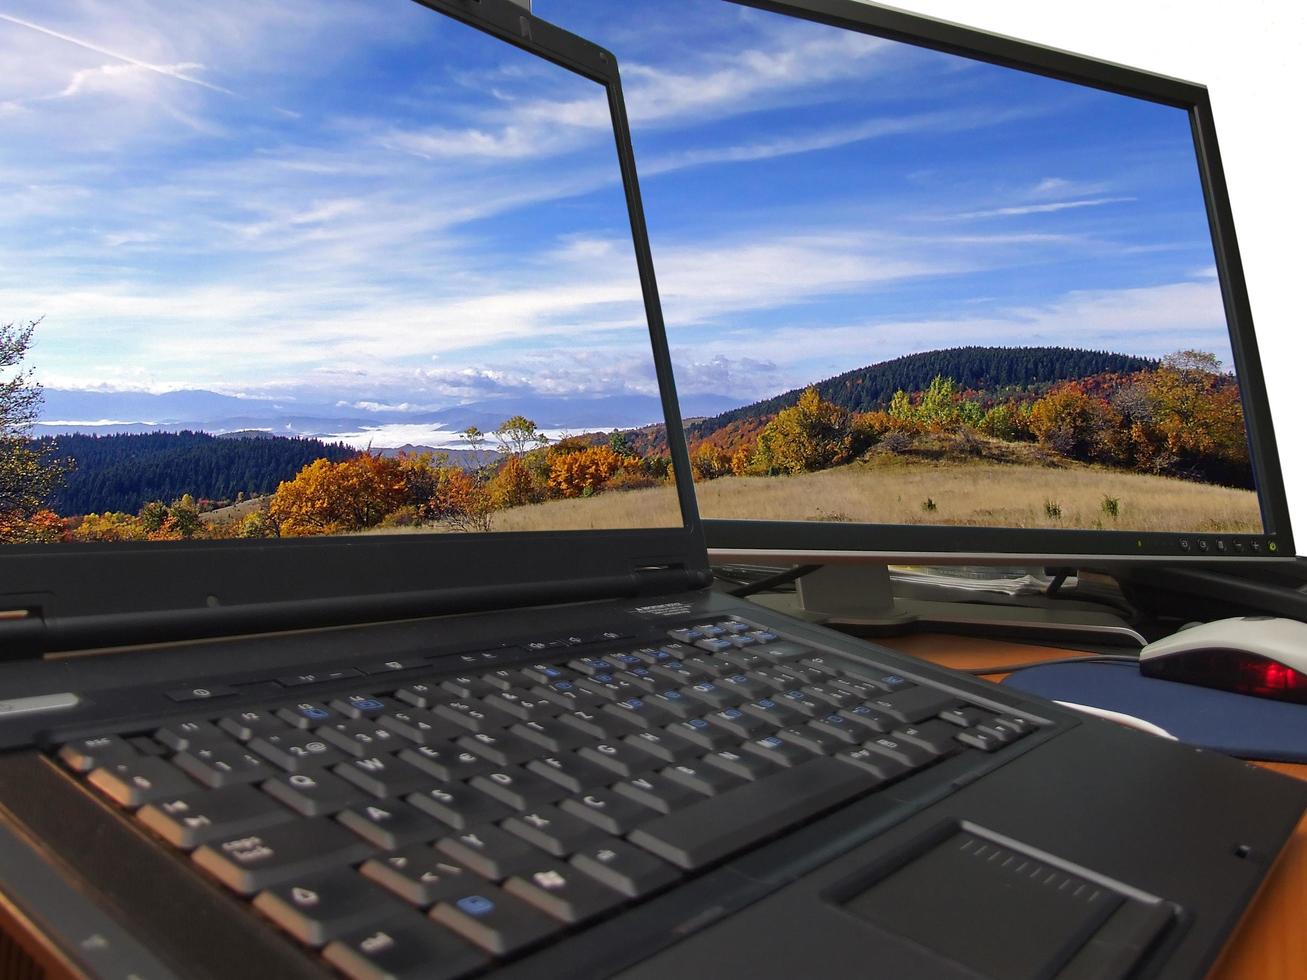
column 312, row 269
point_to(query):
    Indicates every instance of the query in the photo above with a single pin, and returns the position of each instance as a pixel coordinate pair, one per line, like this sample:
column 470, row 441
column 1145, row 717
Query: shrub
column 512, row 485
column 810, row 435
column 460, row 502
column 895, row 442
column 1111, row 506
column 708, row 462
column 929, row 505
column 1052, row 509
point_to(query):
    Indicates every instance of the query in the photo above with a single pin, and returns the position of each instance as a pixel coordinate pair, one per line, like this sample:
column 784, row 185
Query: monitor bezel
column 123, row 583
column 794, row 540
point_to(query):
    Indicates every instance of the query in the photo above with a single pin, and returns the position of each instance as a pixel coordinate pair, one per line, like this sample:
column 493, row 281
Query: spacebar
column 705, row 831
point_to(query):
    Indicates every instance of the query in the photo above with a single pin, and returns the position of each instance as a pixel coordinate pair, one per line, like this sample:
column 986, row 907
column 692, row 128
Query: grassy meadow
column 896, row 490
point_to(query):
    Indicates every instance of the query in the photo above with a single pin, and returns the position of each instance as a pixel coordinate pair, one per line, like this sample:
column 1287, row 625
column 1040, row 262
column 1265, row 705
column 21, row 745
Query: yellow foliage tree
column 810, row 435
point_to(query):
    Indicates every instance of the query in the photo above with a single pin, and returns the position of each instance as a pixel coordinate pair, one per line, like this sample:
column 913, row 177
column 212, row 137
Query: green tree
column 29, row 472
column 518, row 434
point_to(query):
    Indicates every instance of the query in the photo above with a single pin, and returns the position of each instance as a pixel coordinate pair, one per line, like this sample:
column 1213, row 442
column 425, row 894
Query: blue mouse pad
column 1236, row 724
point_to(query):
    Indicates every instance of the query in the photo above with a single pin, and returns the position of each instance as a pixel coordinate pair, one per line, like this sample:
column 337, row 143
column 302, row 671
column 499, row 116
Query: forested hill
column 987, row 369
column 123, row 472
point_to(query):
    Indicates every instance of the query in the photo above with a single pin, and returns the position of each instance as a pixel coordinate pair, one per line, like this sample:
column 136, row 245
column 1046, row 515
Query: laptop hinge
column 658, row 579
column 22, row 634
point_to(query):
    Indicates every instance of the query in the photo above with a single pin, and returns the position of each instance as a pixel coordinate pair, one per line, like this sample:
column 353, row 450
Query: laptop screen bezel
column 123, row 581
column 786, row 541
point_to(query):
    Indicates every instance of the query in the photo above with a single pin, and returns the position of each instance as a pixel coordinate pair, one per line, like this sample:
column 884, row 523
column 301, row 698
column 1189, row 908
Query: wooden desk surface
column 1271, row 944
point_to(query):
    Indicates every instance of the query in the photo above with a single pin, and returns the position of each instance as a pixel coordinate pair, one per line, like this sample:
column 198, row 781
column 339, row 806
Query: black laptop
column 497, row 721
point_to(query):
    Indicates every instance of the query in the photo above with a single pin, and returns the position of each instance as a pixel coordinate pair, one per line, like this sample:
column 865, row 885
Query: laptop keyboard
column 438, row 827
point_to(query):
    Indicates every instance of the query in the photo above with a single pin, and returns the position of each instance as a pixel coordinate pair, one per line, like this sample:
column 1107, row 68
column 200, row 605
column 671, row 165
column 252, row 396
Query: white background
column 1251, row 55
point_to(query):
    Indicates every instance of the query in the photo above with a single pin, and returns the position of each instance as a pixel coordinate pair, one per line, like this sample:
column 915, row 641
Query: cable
column 771, row 581
column 1013, row 668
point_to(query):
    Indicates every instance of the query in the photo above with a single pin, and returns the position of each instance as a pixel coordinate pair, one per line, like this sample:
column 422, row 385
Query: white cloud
column 1054, row 206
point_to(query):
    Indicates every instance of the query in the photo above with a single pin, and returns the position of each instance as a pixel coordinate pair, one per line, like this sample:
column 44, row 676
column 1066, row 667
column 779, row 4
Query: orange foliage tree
column 327, row 497
column 583, row 472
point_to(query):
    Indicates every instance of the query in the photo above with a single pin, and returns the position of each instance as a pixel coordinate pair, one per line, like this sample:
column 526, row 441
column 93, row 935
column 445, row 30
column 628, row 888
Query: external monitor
column 971, row 299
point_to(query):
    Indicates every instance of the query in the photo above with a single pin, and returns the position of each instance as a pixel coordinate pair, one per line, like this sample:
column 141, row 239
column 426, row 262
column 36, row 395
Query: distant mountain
column 114, row 412
column 122, row 472
column 993, row 370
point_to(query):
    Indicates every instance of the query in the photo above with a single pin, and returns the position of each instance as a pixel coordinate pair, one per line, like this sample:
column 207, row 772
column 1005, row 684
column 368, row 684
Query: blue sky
column 361, row 200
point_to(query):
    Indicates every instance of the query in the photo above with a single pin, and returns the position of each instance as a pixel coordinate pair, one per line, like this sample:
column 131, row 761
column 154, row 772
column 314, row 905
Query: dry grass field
column 896, row 490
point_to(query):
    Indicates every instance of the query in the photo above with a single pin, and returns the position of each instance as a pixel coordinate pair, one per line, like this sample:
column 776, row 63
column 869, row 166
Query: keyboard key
column 551, row 734
column 677, row 704
column 459, row 806
column 390, row 824
column 882, row 767
column 245, row 725
column 964, row 716
column 498, row 923
column 713, row 828
column 422, row 694
column 777, row 750
column 570, row 771
column 625, row 868
column 306, row 714
column 416, row 725
column 445, row 761
column 466, row 686
column 609, row 811
column 840, row 728
column 770, row 711
column 296, row 751
column 315, row 793
column 809, row 738
column 708, row 780
column 181, row 734
column 739, row 724
column 318, row 908
column 746, row 766
column 318, row 677
column 977, row 739
column 383, row 775
column 194, row 818
column 418, row 874
column 411, row 948
column 133, row 782
column 913, row 704
column 248, row 863
column 552, row 830
column 359, row 738
column 85, row 754
column 1003, row 732
column 617, row 757
column 522, row 705
column 900, row 750
column 640, row 712
column 362, row 705
column 658, row 792
column 227, row 763
column 474, row 716
column 698, row 731
column 518, row 788
column 867, row 718
column 937, row 737
column 206, row 693
column 662, row 746
column 562, row 892
column 502, row 748
column 489, row 851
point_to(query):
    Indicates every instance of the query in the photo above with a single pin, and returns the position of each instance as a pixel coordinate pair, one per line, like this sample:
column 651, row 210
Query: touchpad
column 1002, row 911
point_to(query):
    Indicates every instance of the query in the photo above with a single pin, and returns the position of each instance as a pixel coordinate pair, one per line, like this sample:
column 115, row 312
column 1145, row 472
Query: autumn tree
column 581, row 473
column 460, row 501
column 328, row 498
column 29, row 473
column 708, row 462
column 810, row 435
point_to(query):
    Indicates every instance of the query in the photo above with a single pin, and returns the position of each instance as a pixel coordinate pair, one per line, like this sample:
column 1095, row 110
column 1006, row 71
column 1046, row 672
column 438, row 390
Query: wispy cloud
column 179, row 72
column 1049, row 208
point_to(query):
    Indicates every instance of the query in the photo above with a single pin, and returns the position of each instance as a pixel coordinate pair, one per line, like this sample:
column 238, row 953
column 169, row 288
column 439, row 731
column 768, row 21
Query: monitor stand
column 860, row 598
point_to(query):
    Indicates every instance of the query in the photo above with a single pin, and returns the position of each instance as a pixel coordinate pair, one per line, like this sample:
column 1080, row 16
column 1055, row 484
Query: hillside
column 993, row 370
column 122, row 472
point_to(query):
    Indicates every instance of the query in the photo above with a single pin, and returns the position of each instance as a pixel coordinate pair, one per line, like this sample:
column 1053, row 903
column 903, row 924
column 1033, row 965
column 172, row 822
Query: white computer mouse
column 1259, row 655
